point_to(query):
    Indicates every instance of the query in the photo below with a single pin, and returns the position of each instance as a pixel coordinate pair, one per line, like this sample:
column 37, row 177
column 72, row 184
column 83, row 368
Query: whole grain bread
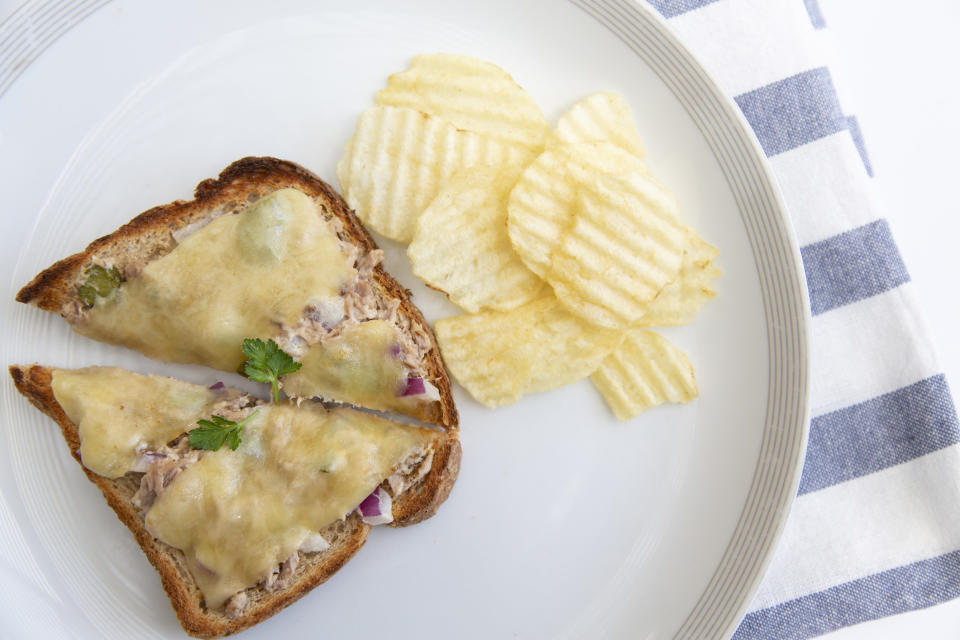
column 151, row 235
column 345, row 537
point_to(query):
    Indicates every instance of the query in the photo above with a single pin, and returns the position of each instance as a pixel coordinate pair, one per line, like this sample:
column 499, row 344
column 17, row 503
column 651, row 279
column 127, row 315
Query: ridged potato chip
column 399, row 159
column 458, row 160
column 601, row 117
column 471, row 94
column 624, row 245
column 499, row 356
column 461, row 245
column 541, row 204
column 646, row 370
column 682, row 299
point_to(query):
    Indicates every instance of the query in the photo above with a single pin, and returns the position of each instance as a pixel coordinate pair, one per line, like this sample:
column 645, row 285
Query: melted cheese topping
column 118, row 413
column 238, row 514
column 240, row 276
column 360, row 365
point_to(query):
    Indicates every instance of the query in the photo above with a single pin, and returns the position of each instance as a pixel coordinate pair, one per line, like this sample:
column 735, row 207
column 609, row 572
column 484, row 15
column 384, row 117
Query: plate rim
column 728, row 594
column 36, row 24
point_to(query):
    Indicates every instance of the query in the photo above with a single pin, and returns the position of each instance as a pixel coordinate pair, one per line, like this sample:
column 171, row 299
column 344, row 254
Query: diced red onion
column 377, row 508
column 216, row 386
column 415, row 387
column 395, row 351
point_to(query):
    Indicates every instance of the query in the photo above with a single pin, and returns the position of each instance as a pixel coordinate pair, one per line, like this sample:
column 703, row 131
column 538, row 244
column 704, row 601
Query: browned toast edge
column 149, row 236
column 418, row 503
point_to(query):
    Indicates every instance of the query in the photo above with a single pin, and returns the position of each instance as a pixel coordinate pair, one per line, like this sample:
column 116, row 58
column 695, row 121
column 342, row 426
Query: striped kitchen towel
column 875, row 530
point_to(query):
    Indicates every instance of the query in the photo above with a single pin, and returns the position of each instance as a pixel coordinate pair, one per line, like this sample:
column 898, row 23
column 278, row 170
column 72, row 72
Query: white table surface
column 895, row 67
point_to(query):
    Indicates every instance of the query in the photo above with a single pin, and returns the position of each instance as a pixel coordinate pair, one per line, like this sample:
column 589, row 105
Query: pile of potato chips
column 558, row 243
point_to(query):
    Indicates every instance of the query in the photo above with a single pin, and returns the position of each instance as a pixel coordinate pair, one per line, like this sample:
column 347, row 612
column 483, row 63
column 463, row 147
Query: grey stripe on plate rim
column 777, row 474
column 33, row 27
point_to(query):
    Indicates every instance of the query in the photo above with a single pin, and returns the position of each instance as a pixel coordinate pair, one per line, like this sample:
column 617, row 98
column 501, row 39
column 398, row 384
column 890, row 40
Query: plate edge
column 729, row 592
column 37, row 24
column 33, row 26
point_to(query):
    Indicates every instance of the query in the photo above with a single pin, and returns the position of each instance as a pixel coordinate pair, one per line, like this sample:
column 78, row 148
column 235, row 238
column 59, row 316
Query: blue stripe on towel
column 913, row 586
column 879, row 433
column 671, row 8
column 857, row 136
column 794, row 111
column 852, row 266
column 816, row 16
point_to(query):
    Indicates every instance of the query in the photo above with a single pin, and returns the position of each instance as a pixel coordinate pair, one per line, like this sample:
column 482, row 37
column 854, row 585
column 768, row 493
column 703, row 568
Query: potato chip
column 601, row 117
column 539, row 209
column 624, row 246
column 646, row 370
column 461, row 245
column 473, row 95
column 399, row 159
column 680, row 300
column 541, row 204
column 499, row 356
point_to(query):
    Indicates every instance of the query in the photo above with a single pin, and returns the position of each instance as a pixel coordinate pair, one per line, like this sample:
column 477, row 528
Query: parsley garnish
column 212, row 433
column 266, row 362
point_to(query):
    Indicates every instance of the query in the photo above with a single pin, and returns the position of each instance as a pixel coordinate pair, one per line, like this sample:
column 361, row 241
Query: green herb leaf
column 266, row 362
column 213, row 433
column 100, row 282
column 87, row 295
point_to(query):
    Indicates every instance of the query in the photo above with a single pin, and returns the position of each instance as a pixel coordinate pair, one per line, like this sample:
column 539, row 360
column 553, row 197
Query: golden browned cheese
column 238, row 514
column 359, row 364
column 118, row 412
column 240, row 276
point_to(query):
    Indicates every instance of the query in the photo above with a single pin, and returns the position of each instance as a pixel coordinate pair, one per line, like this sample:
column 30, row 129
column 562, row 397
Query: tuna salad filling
column 345, row 325
column 327, row 319
column 161, row 467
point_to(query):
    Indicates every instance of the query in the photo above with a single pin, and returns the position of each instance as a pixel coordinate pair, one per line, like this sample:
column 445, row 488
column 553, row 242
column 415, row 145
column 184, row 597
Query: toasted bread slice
column 159, row 231
column 345, row 537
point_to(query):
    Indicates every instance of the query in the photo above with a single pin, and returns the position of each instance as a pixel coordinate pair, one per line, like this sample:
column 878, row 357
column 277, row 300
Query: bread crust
column 149, row 236
column 422, row 500
column 346, row 537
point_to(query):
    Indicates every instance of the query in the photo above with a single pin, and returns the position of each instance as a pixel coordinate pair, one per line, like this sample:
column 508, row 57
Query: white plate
column 564, row 523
